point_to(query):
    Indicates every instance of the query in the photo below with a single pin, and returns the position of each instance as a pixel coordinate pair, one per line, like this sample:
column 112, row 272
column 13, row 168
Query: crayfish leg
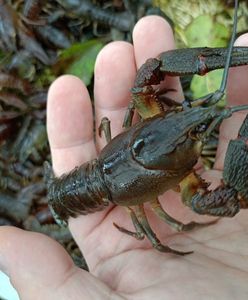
column 141, row 216
column 105, row 127
column 140, row 233
column 142, row 227
column 128, row 119
column 177, row 225
column 140, row 213
column 146, row 102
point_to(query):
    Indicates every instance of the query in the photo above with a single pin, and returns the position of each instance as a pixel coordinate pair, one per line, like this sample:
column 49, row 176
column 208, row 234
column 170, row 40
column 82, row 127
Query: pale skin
column 121, row 267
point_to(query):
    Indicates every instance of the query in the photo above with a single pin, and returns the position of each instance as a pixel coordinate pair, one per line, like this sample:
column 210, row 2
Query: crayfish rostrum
column 147, row 159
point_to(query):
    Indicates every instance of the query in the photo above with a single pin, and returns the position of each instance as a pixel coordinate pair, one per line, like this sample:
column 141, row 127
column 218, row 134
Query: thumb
column 39, row 268
column 237, row 87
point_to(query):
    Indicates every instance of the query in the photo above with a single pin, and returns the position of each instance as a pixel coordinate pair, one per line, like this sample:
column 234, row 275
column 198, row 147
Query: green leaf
column 203, row 85
column 205, row 31
column 79, row 59
column 44, row 78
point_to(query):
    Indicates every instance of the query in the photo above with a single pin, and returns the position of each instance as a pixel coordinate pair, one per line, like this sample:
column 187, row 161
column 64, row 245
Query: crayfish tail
column 79, row 192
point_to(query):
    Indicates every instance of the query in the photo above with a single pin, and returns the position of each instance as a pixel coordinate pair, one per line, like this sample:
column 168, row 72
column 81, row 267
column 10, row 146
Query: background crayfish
column 147, row 159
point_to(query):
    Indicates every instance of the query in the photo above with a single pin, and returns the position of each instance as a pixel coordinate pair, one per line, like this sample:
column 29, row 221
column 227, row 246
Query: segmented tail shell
column 80, row 192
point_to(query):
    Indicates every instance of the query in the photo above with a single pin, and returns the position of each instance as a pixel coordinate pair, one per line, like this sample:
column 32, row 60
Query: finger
column 69, row 124
column 22, row 264
column 114, row 76
column 39, row 268
column 70, row 132
column 153, row 35
column 237, row 89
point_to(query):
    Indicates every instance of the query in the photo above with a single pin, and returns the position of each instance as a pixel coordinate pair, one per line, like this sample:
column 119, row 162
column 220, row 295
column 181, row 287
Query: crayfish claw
column 243, row 131
column 236, row 164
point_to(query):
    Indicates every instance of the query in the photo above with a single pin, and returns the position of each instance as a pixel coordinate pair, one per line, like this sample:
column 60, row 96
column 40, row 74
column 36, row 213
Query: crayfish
column 147, row 159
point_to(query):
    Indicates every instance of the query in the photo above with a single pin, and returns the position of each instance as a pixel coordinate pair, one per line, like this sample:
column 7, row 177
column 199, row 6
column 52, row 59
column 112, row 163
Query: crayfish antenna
column 215, row 97
column 230, row 48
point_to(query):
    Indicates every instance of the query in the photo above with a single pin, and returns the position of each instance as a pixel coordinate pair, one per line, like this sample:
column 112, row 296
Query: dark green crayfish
column 160, row 152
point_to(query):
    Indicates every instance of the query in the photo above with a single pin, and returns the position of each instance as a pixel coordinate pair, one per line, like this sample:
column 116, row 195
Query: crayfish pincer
column 152, row 156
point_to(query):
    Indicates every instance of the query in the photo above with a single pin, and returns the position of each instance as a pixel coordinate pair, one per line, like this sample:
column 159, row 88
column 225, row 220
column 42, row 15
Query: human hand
column 120, row 266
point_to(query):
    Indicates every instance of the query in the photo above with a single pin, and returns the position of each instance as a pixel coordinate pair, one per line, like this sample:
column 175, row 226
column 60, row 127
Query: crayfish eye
column 198, row 130
column 137, row 146
column 201, row 128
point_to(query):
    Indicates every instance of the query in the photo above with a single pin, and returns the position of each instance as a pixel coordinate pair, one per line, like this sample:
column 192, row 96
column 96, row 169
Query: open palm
column 120, row 266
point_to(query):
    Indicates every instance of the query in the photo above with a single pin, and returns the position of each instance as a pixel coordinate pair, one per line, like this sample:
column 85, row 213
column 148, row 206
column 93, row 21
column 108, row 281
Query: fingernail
column 242, row 40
